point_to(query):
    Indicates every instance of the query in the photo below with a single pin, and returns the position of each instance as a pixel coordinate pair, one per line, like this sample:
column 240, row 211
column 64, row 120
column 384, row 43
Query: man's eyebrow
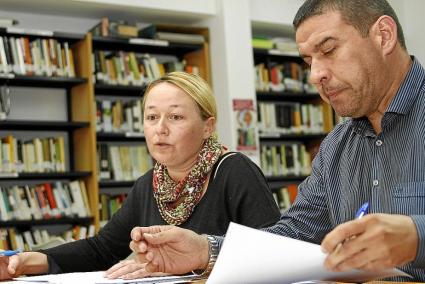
column 321, row 43
column 318, row 45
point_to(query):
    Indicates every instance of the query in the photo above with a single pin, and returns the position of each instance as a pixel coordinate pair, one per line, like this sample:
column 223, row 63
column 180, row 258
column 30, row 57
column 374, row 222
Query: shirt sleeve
column 419, row 221
column 308, row 218
column 108, row 247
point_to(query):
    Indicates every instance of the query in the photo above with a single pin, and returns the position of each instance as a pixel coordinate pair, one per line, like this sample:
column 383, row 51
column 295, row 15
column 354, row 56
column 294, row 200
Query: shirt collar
column 409, row 89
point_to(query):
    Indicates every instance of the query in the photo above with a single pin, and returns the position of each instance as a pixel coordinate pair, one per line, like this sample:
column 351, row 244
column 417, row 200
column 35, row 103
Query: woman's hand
column 129, row 269
column 9, row 267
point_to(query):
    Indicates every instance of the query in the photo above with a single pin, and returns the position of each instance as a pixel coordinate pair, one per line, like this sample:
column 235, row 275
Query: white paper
column 254, row 256
column 97, row 278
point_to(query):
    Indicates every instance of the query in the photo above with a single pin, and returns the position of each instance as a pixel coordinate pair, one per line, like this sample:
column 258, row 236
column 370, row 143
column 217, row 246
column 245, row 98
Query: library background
column 72, row 75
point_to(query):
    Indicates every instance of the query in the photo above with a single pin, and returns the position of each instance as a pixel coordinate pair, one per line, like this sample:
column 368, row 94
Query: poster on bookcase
column 244, row 113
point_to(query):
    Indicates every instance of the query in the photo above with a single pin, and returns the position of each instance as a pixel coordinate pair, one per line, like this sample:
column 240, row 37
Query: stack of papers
column 254, row 256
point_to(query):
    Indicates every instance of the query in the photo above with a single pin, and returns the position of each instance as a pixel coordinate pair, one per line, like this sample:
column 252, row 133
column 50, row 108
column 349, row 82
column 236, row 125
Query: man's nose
column 320, row 73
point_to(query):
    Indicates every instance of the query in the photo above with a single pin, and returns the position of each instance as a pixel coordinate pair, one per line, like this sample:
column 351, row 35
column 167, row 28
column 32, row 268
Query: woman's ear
column 385, row 31
column 209, row 127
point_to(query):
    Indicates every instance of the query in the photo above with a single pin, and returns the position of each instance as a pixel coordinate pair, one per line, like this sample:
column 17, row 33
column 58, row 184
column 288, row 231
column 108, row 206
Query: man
column 360, row 65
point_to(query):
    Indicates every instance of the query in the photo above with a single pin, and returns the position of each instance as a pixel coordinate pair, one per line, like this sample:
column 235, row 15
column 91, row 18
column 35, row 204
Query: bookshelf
column 292, row 120
column 81, row 127
column 34, row 66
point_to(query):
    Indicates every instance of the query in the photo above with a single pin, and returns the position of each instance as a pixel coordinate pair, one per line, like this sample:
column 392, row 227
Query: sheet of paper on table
column 97, row 278
column 253, row 256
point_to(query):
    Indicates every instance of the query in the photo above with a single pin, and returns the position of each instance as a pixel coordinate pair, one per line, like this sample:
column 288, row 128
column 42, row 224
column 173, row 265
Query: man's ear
column 209, row 127
column 385, row 31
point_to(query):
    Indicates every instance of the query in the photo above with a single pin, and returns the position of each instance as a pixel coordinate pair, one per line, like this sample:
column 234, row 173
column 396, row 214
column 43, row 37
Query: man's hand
column 374, row 242
column 8, row 267
column 129, row 269
column 169, row 249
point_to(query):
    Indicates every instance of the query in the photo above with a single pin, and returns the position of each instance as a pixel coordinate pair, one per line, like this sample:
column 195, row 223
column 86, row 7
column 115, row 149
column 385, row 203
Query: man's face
column 345, row 67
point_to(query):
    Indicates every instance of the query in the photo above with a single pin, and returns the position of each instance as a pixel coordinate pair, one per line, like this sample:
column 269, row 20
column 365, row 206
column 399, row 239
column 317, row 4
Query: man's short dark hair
column 361, row 14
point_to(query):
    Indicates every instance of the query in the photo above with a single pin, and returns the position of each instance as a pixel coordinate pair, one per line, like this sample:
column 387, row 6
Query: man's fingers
column 159, row 238
column 138, row 247
column 342, row 233
column 136, row 234
column 151, row 268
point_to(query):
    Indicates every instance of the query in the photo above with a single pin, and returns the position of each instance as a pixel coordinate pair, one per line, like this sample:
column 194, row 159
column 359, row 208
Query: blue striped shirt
column 355, row 165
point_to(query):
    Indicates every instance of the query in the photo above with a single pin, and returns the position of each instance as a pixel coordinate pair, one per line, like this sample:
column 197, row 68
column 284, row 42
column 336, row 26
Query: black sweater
column 238, row 193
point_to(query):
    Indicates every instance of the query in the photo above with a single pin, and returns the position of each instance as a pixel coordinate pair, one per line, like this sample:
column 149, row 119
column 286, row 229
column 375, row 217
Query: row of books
column 285, row 45
column 288, row 76
column 119, row 117
column 130, row 68
column 122, row 163
column 42, row 57
column 285, row 159
column 287, row 117
column 285, row 196
column 12, row 239
column 35, row 155
column 44, row 201
column 109, row 205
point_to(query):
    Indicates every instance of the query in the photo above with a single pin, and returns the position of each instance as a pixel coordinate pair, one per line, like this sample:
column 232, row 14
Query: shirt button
column 378, row 143
column 375, row 182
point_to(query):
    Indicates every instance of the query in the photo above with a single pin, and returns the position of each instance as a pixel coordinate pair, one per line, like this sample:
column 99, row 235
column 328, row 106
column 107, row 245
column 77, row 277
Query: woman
column 195, row 184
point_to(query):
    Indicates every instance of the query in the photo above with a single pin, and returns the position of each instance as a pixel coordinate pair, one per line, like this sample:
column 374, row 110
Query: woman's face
column 173, row 126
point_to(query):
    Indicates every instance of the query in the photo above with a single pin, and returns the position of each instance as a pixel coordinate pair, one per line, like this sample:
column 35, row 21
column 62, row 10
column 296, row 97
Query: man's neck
column 398, row 72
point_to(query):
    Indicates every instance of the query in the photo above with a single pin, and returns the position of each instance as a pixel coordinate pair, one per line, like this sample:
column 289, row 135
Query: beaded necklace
column 177, row 200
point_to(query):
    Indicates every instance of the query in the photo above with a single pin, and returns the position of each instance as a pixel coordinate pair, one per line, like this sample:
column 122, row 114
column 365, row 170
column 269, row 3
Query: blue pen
column 362, row 210
column 9, row 252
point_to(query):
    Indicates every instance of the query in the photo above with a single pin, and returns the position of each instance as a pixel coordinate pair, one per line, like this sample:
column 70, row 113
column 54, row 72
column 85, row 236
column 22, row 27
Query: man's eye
column 329, row 51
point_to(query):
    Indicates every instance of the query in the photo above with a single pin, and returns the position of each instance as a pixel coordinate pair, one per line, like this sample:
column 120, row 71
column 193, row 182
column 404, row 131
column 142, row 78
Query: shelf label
column 134, row 134
column 9, row 175
column 29, row 31
column 148, row 41
column 283, row 53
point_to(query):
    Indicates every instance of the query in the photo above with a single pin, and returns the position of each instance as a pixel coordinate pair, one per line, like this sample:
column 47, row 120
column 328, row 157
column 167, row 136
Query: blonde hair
column 193, row 85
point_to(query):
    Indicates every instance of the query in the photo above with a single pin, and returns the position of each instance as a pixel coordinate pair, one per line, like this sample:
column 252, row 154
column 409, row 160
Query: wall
column 277, row 15
column 410, row 14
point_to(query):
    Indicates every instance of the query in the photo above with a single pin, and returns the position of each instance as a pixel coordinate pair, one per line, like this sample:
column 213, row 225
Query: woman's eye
column 176, row 117
column 150, row 117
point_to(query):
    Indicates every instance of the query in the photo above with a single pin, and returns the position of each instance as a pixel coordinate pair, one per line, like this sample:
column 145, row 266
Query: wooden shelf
column 286, row 96
column 137, row 45
column 277, row 55
column 41, row 125
column 114, row 183
column 52, row 221
column 292, row 137
column 34, row 34
column 40, row 81
column 105, row 137
column 119, row 90
column 44, row 176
